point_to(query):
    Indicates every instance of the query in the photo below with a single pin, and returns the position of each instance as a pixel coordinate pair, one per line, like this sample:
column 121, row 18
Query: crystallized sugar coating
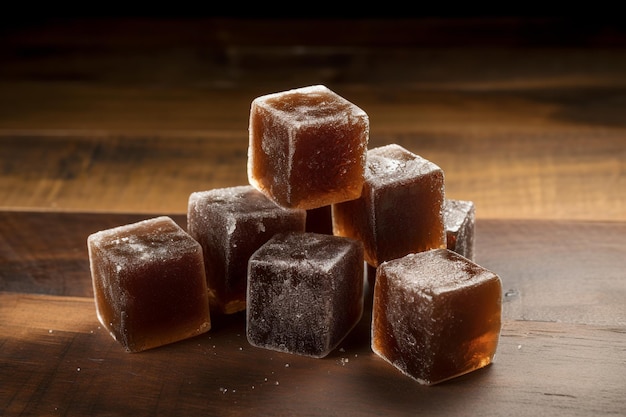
column 456, row 213
column 310, row 106
column 459, row 222
column 312, row 251
column 434, row 272
column 230, row 224
column 305, row 293
column 436, row 315
column 148, row 240
column 149, row 283
column 392, row 164
column 307, row 147
column 242, row 201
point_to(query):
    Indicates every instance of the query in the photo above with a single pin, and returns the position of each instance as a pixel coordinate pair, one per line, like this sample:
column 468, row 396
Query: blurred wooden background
column 526, row 115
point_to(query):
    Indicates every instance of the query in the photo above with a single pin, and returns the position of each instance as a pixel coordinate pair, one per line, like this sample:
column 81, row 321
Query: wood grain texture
column 540, row 367
column 46, row 252
column 131, row 115
column 534, row 176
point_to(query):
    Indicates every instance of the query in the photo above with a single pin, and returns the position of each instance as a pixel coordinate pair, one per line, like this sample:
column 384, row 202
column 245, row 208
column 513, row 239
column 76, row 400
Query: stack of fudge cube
column 293, row 247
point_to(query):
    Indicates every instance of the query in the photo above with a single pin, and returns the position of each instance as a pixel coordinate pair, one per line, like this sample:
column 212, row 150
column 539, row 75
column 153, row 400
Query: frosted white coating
column 236, row 210
column 231, row 225
column 435, row 271
column 318, row 251
column 456, row 213
column 393, row 164
column 309, row 106
column 158, row 238
column 128, row 247
column 243, row 201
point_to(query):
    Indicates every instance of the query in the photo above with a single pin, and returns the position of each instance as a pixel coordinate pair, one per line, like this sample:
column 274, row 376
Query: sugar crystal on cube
column 230, row 224
column 305, row 293
column 436, row 315
column 400, row 210
column 307, row 147
column 149, row 283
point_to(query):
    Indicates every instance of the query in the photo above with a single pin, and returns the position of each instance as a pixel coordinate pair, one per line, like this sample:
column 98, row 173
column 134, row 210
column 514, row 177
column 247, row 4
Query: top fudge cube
column 230, row 224
column 307, row 147
column 400, row 210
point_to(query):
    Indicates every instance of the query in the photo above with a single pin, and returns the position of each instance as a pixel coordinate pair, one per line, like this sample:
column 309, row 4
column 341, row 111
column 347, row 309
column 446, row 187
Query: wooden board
column 57, row 360
column 561, row 350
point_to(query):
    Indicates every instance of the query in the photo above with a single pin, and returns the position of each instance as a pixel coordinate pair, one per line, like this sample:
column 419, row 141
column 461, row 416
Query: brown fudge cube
column 307, row 147
column 305, row 293
column 436, row 315
column 459, row 219
column 400, row 210
column 230, row 224
column 149, row 283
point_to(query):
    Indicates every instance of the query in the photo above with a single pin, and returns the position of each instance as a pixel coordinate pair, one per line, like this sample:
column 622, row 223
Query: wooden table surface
column 112, row 120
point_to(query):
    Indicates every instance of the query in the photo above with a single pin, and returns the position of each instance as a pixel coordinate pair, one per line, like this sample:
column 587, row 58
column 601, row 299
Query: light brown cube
column 307, row 147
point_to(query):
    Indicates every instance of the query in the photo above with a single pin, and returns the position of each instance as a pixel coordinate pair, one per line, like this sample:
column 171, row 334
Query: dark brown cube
column 305, row 293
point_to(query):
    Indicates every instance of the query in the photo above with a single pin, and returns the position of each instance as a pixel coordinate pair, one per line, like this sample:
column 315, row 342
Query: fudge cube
column 436, row 315
column 230, row 224
column 458, row 220
column 305, row 293
column 307, row 147
column 400, row 210
column 149, row 283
